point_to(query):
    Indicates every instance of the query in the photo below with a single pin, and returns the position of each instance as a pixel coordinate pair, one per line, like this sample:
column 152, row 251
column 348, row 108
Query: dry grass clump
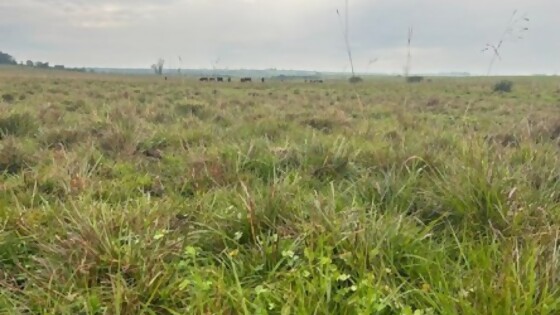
column 13, row 157
column 329, row 120
column 17, row 124
column 8, row 98
column 65, row 137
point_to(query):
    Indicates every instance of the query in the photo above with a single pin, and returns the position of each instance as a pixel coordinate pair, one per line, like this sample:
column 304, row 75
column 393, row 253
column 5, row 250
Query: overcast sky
column 283, row 34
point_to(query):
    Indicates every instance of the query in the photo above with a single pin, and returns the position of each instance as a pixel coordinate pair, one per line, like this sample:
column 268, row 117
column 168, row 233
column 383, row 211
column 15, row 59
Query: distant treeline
column 6, row 59
column 295, row 77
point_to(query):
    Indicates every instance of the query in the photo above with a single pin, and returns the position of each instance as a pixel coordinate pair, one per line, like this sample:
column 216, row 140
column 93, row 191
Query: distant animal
column 203, row 79
column 165, row 78
column 262, row 80
column 220, row 79
column 229, row 79
column 315, row 81
column 246, row 80
column 212, row 79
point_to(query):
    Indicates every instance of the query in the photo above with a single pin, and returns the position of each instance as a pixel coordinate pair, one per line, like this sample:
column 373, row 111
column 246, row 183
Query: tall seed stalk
column 516, row 27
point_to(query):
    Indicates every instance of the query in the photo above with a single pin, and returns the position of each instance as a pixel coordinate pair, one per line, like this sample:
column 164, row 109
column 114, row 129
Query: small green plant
column 504, row 86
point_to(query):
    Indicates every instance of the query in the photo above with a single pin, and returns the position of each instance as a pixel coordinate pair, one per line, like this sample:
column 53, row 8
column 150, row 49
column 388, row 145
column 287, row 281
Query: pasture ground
column 135, row 195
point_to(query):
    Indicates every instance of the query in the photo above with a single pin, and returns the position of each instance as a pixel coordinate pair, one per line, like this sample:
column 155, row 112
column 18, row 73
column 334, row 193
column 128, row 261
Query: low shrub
column 504, row 86
column 414, row 79
column 8, row 98
column 355, row 79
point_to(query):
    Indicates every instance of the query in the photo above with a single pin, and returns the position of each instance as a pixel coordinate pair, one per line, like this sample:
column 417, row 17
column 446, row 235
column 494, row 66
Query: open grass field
column 135, row 195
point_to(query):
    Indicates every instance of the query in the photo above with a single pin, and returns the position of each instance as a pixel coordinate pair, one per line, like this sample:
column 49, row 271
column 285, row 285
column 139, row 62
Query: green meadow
column 137, row 195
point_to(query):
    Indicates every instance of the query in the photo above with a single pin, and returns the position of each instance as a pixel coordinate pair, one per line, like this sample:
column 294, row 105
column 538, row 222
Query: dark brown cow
column 220, row 79
column 246, row 80
column 262, row 80
column 203, row 79
column 212, row 79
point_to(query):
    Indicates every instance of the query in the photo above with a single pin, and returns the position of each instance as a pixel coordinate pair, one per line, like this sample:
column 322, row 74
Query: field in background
column 135, row 195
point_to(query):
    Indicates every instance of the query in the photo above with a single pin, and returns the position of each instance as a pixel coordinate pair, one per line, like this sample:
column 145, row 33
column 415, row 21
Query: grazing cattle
column 212, row 79
column 203, row 79
column 262, row 80
column 315, row 81
column 229, row 79
column 220, row 79
column 246, row 80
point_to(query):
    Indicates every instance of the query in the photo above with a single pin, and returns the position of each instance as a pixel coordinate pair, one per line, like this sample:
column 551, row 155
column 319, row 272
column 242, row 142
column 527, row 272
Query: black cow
column 203, row 79
column 246, row 80
column 220, row 79
column 212, row 79
column 262, row 80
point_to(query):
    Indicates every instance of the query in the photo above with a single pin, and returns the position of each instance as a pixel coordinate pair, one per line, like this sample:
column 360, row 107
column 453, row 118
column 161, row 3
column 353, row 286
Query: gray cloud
column 302, row 34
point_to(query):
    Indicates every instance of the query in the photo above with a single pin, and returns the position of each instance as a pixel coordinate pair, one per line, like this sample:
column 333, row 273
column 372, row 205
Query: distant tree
column 29, row 63
column 158, row 67
column 40, row 64
column 6, row 59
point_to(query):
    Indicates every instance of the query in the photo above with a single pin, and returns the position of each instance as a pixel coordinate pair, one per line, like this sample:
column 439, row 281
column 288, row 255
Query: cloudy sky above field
column 283, row 34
